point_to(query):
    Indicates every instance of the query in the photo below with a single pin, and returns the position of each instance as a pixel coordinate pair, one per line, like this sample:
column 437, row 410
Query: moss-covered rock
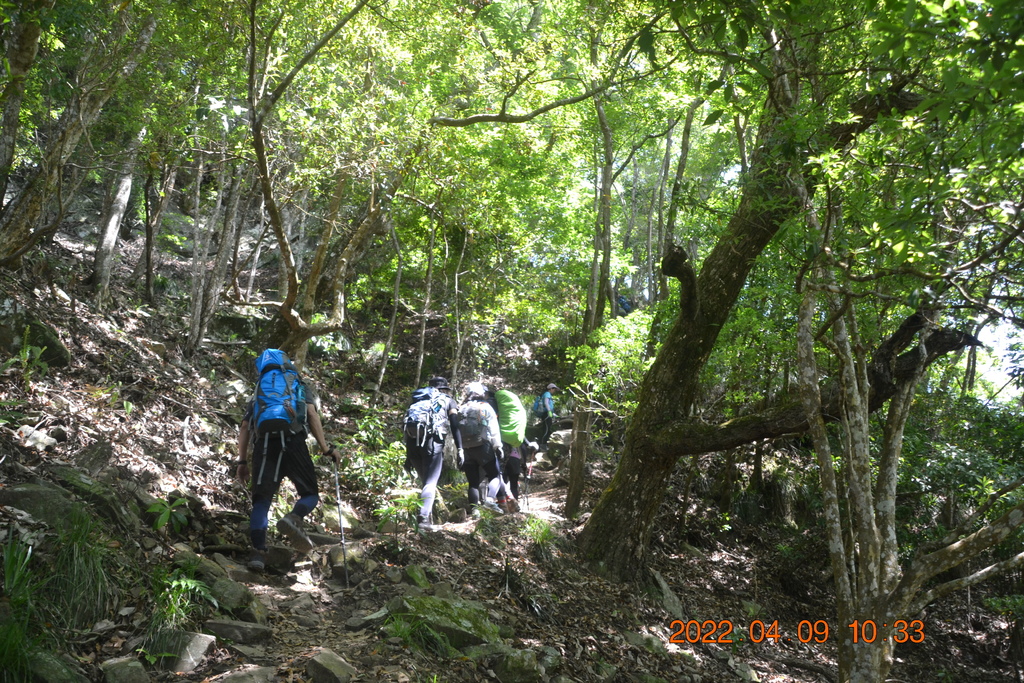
column 106, row 501
column 46, row 503
column 462, row 622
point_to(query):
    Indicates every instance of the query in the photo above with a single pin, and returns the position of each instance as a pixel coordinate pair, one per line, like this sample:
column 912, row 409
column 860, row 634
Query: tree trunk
column 20, row 216
column 394, row 313
column 426, row 304
column 215, row 276
column 111, row 224
column 154, row 216
column 617, row 534
column 578, row 451
column 651, row 284
column 21, row 54
column 669, row 230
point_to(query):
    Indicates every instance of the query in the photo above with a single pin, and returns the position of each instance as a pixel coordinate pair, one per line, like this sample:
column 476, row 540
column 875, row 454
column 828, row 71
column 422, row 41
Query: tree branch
column 504, row 117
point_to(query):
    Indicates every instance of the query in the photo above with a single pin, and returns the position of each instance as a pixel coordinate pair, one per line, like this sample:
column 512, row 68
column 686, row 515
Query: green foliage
column 417, row 635
column 400, row 511
column 28, row 362
column 1010, row 605
column 173, row 512
column 615, row 361
column 82, row 588
column 20, row 593
column 180, row 602
column 541, row 535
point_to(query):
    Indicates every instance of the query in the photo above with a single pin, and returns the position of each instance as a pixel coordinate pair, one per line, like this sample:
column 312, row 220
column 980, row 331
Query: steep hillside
column 142, row 421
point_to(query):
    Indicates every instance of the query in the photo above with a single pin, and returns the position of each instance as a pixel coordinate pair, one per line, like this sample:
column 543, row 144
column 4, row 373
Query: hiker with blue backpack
column 432, row 415
column 544, row 408
column 275, row 424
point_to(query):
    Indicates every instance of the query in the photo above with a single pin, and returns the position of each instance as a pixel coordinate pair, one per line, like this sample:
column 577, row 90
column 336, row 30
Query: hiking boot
column 493, row 507
column 291, row 526
column 256, row 562
column 509, row 505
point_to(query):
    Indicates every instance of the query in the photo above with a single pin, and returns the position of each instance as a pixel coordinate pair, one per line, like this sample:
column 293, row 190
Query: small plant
column 400, row 511
column 417, row 635
column 81, row 590
column 179, row 601
column 542, row 535
column 19, row 588
column 487, row 526
column 174, row 512
column 28, row 360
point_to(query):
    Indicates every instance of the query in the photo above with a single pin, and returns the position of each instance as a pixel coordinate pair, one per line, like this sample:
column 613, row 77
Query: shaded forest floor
column 171, row 428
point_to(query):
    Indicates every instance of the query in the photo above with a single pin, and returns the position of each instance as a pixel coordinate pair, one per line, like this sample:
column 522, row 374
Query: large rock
column 186, row 650
column 106, row 501
column 124, row 670
column 328, row 667
column 462, row 622
column 94, row 457
column 519, row 666
column 46, row 503
column 231, row 596
column 18, row 326
column 52, row 668
column 239, row 631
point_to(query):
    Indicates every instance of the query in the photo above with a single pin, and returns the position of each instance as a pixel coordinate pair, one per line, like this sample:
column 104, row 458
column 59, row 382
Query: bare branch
column 943, row 589
column 504, row 117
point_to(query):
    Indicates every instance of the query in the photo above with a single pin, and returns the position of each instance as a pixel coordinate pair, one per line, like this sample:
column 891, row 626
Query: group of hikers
column 488, row 431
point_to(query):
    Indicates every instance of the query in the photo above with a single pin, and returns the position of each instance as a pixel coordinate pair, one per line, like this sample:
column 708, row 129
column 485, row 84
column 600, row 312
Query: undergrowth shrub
column 180, row 603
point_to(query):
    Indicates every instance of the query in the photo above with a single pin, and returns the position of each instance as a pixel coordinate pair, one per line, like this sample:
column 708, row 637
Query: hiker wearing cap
column 482, row 440
column 547, row 412
column 275, row 424
column 432, row 414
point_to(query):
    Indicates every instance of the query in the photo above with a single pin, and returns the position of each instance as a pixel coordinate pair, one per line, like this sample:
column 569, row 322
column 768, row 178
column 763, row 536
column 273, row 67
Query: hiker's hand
column 242, row 472
column 460, row 458
column 333, row 452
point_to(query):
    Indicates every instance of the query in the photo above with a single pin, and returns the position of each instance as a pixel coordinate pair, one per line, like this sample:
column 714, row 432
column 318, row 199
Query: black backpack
column 427, row 417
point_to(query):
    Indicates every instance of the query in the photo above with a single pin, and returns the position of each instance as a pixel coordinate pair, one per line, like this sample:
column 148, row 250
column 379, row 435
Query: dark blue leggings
column 274, row 459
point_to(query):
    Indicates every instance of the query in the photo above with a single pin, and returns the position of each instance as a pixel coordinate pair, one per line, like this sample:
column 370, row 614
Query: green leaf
column 713, row 117
column 762, row 69
column 645, row 41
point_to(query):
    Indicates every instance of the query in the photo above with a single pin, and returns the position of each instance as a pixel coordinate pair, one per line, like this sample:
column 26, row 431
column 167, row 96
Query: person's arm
column 242, row 462
column 549, row 403
column 453, row 423
column 493, row 433
column 316, row 428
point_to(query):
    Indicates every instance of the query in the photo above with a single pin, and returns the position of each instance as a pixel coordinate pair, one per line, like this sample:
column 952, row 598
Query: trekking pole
column 341, row 522
column 526, row 485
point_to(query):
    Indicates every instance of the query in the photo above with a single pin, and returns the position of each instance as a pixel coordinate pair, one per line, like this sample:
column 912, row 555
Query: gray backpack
column 473, row 425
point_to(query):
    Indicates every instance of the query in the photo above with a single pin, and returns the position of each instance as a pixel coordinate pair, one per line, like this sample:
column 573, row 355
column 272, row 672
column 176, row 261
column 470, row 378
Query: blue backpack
column 280, row 401
column 538, row 406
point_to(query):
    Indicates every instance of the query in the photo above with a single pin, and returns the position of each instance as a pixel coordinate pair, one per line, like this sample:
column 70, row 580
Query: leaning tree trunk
column 214, row 277
column 616, row 536
column 420, row 352
column 394, row 313
column 111, row 224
